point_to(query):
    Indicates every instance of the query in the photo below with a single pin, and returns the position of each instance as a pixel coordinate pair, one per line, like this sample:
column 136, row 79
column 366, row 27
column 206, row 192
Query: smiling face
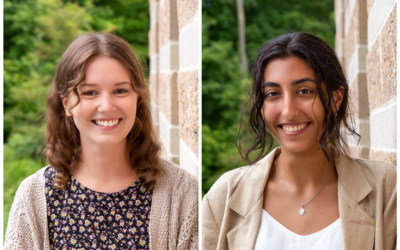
column 292, row 110
column 107, row 108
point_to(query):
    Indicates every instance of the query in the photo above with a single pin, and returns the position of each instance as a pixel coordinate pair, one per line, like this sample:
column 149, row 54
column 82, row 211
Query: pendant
column 301, row 210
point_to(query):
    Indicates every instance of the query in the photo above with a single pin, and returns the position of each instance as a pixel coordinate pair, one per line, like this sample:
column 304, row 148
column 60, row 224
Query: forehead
column 105, row 69
column 287, row 70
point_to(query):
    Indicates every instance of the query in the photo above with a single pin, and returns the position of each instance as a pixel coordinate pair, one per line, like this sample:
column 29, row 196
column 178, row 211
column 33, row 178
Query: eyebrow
column 95, row 84
column 294, row 83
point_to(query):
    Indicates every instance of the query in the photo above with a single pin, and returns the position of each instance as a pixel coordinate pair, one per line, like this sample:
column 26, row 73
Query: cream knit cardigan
column 173, row 217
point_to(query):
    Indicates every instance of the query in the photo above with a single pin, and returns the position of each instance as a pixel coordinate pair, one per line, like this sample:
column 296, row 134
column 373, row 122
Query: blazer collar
column 251, row 187
column 352, row 177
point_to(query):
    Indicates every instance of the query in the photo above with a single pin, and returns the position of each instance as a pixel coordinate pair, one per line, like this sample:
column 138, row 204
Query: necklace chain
column 302, row 205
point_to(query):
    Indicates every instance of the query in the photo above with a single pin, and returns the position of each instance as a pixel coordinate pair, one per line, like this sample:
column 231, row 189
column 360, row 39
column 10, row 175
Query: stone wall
column 366, row 41
column 174, row 50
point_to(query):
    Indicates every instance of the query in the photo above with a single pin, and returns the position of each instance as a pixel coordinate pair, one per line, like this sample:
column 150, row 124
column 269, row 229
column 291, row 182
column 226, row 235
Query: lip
column 107, row 119
column 296, row 132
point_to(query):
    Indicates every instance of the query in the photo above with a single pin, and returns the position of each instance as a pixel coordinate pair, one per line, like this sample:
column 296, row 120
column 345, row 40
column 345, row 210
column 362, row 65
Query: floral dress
column 80, row 218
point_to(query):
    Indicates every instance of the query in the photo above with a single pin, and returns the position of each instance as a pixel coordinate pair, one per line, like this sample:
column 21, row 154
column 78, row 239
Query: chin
column 297, row 147
column 109, row 142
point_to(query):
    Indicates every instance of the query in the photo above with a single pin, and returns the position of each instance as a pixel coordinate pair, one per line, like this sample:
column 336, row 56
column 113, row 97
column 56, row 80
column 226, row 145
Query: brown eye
column 89, row 93
column 121, row 91
column 305, row 91
column 272, row 94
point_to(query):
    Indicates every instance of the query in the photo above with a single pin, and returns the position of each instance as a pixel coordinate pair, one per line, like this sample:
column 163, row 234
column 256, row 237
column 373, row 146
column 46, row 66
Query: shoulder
column 226, row 185
column 31, row 185
column 379, row 174
column 376, row 180
column 175, row 181
column 174, row 174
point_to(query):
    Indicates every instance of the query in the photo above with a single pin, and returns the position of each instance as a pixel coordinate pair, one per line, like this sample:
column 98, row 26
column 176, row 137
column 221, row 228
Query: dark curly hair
column 326, row 66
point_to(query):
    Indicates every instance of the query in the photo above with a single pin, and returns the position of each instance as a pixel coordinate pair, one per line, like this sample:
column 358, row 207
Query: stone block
column 153, row 87
column 379, row 12
column 187, row 9
column 351, row 39
column 168, row 20
column 188, row 159
column 358, row 97
column 168, row 96
column 369, row 6
column 169, row 57
column 383, row 123
column 385, row 156
column 357, row 62
column 153, row 40
column 188, row 88
column 169, row 135
column 350, row 12
column 381, row 75
column 388, row 44
column 189, row 46
column 152, row 4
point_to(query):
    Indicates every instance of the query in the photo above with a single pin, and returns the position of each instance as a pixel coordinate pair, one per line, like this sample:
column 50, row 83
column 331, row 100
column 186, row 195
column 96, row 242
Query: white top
column 272, row 235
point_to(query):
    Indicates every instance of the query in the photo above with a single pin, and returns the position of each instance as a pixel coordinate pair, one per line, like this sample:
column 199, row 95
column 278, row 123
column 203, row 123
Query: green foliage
column 37, row 33
column 224, row 87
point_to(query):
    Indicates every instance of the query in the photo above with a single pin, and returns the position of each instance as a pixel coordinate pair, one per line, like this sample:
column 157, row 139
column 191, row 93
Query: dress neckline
column 88, row 190
column 332, row 226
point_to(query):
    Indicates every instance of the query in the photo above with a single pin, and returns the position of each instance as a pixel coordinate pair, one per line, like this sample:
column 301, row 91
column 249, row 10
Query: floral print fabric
column 80, row 218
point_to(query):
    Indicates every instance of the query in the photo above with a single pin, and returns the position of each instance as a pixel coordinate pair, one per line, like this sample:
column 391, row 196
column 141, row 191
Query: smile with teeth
column 109, row 123
column 293, row 127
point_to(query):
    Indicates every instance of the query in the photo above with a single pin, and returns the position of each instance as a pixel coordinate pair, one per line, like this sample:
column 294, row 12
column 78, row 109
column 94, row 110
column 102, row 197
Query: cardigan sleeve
column 188, row 237
column 18, row 234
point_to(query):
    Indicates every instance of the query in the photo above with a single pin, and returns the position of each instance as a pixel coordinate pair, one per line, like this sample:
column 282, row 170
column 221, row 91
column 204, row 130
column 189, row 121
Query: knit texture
column 173, row 217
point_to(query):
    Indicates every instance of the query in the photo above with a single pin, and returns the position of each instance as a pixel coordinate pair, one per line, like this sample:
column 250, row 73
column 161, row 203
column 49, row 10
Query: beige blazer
column 232, row 209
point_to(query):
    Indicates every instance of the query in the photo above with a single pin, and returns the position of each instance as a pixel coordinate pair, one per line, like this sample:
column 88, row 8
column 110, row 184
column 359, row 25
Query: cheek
column 318, row 114
column 270, row 113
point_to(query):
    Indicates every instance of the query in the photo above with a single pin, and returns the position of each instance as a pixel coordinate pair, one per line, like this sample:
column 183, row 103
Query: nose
column 106, row 103
column 290, row 107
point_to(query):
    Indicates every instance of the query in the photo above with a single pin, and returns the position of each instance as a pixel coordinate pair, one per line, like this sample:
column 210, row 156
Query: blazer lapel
column 357, row 226
column 247, row 201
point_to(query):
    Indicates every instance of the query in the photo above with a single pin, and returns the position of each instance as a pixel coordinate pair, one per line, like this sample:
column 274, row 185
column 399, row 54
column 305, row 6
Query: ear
column 66, row 104
column 338, row 97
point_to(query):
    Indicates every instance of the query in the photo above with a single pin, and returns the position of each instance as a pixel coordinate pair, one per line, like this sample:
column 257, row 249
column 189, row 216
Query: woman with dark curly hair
column 106, row 186
column 307, row 194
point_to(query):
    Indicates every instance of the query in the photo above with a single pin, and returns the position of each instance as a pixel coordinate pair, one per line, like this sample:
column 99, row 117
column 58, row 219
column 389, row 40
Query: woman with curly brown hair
column 307, row 194
column 106, row 186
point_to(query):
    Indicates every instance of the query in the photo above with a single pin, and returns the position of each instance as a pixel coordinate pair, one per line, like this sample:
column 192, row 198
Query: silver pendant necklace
column 301, row 210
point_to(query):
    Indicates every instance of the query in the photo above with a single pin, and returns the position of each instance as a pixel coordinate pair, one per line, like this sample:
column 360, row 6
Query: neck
column 105, row 168
column 304, row 170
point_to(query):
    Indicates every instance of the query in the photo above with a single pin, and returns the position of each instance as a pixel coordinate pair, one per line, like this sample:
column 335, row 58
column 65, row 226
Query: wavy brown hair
column 326, row 66
column 63, row 146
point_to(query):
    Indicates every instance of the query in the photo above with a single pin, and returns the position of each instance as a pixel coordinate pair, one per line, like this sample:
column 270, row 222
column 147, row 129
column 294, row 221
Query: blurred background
column 225, row 72
column 36, row 34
